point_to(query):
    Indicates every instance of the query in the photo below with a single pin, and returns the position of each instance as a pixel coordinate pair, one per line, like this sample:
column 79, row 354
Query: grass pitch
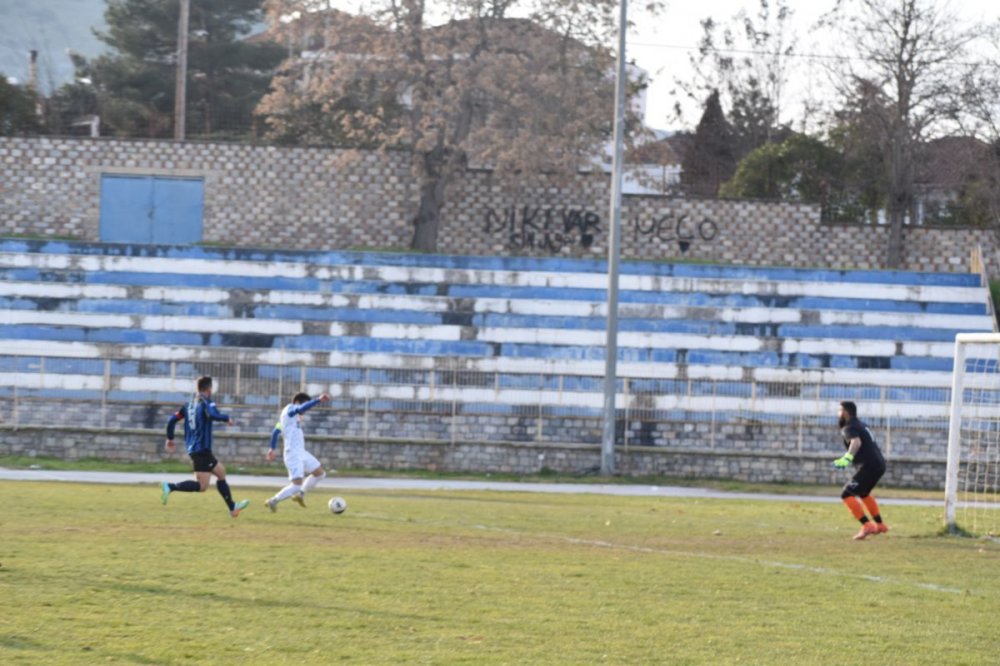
column 105, row 574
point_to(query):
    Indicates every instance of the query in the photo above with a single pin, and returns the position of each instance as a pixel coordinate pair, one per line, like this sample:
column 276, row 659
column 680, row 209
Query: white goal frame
column 958, row 386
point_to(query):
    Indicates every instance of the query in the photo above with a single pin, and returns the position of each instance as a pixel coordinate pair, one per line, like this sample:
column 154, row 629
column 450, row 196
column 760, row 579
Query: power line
column 804, row 56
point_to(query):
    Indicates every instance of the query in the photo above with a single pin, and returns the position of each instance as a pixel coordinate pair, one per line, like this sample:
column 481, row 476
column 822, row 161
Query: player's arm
column 179, row 415
column 295, row 410
column 274, row 440
column 852, row 450
column 216, row 415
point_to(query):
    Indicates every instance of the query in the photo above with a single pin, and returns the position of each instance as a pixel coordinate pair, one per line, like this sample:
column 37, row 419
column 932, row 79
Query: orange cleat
column 881, row 528
column 866, row 530
column 242, row 504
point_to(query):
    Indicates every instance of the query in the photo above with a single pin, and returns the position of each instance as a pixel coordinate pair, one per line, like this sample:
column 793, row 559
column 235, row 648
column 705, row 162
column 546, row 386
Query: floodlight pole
column 614, row 250
column 180, row 90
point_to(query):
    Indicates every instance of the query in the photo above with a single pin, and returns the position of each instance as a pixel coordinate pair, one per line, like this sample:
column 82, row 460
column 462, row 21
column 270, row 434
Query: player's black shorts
column 864, row 480
column 203, row 461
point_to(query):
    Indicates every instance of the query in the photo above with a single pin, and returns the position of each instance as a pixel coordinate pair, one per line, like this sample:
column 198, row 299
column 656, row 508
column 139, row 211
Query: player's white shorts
column 300, row 463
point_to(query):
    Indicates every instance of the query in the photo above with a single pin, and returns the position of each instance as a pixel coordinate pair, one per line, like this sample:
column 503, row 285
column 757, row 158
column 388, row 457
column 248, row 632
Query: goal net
column 972, row 483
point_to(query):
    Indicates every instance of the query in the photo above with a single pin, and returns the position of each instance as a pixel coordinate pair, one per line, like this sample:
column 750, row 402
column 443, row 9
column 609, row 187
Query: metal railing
column 437, row 399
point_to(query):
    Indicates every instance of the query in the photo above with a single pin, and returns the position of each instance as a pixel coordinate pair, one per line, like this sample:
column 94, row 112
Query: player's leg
column 219, row 470
column 871, row 479
column 202, row 467
column 313, row 469
column 858, row 486
column 293, row 463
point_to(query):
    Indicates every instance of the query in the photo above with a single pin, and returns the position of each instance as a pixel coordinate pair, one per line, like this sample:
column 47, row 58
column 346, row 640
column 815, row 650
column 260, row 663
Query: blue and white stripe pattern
column 74, row 305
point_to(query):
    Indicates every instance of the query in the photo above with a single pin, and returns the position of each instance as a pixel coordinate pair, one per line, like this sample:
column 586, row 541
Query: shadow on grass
column 14, row 642
column 292, row 605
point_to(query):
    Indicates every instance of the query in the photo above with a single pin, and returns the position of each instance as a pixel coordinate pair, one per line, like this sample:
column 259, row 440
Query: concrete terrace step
column 29, row 354
column 196, row 272
column 881, row 340
column 547, row 344
column 263, row 304
column 966, row 301
column 554, row 264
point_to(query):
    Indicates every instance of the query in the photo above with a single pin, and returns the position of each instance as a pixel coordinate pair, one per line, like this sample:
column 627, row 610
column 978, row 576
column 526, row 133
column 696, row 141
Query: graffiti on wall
column 553, row 229
column 546, row 229
column 682, row 229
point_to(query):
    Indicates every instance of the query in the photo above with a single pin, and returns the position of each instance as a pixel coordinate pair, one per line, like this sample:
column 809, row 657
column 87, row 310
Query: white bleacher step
column 524, row 307
column 453, row 276
column 492, row 365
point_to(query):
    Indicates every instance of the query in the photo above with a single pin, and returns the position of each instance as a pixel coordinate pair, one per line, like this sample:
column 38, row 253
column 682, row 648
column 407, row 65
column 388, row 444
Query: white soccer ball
column 337, row 505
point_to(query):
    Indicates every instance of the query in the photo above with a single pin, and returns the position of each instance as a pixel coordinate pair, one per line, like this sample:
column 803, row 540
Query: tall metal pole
column 614, row 250
column 180, row 91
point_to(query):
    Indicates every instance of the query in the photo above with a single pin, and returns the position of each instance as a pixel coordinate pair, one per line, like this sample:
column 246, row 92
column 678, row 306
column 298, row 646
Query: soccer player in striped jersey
column 198, row 416
column 864, row 454
column 298, row 461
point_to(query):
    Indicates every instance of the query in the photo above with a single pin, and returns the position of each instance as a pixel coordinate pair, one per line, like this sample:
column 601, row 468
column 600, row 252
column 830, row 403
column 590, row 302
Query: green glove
column 843, row 461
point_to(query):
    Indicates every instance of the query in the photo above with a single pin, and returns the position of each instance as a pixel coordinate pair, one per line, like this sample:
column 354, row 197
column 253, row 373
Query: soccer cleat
column 242, row 504
column 881, row 528
column 164, row 492
column 866, row 531
column 300, row 499
column 272, row 504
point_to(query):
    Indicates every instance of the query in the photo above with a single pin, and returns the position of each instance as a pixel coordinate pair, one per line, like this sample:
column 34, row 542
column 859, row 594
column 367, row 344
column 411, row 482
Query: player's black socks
column 877, row 518
column 864, row 519
column 185, row 486
column 223, row 488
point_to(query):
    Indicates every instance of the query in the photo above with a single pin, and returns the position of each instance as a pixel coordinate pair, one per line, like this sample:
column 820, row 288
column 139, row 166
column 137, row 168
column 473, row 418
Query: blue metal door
column 177, row 210
column 126, row 209
column 151, row 209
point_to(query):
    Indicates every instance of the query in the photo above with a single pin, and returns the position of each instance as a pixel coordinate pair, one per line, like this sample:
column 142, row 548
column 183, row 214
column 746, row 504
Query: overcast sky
column 662, row 47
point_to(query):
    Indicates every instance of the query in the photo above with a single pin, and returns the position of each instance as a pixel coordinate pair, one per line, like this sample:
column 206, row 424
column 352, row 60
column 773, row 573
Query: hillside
column 51, row 27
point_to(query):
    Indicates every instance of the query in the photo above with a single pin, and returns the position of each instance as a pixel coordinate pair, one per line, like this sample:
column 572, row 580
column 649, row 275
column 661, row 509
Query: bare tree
column 976, row 109
column 912, row 56
column 746, row 59
column 514, row 86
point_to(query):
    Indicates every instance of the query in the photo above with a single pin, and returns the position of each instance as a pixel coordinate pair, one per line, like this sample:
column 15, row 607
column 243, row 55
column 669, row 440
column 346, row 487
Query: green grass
column 105, row 574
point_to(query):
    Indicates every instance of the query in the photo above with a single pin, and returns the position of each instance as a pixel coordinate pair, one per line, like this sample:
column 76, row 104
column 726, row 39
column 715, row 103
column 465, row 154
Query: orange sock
column 872, row 507
column 854, row 504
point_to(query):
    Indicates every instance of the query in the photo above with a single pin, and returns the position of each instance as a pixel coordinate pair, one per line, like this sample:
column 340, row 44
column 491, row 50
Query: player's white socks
column 287, row 492
column 311, row 482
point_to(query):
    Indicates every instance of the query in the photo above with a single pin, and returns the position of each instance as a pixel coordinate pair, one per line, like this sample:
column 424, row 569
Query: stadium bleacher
column 131, row 323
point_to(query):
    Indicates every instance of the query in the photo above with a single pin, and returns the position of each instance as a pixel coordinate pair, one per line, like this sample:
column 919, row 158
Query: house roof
column 668, row 150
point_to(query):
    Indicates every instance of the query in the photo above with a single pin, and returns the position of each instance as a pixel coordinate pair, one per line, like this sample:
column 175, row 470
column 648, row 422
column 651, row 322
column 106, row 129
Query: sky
column 662, row 47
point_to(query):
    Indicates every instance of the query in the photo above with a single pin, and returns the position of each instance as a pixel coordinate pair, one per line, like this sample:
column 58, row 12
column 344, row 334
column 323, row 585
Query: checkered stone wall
column 309, row 198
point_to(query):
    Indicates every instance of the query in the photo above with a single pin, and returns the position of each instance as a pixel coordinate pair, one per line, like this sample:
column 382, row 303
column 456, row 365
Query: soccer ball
column 337, row 505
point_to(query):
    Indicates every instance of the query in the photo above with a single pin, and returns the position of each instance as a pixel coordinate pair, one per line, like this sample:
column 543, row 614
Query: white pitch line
column 598, row 543
column 727, row 558
column 434, row 485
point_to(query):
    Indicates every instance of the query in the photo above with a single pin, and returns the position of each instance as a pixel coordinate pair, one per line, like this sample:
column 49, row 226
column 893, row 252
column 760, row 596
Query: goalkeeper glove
column 843, row 461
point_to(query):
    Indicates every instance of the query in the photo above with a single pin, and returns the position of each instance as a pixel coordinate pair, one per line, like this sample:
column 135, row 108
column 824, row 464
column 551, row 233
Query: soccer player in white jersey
column 298, row 461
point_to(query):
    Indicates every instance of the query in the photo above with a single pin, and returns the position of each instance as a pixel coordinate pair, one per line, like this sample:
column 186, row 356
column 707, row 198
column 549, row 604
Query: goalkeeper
column 864, row 454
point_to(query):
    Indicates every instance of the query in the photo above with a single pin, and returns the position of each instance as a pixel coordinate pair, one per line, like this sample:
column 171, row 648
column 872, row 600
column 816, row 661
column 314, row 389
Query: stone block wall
column 305, row 198
column 237, row 450
column 482, row 443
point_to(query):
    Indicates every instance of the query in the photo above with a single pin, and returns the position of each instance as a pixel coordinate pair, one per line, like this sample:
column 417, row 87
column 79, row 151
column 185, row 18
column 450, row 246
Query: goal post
column 972, row 477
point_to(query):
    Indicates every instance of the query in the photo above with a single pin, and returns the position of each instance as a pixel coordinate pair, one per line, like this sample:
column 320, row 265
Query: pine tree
column 17, row 109
column 712, row 158
column 135, row 80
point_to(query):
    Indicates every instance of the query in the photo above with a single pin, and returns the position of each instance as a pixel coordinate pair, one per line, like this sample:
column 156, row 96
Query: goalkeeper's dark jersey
column 869, row 453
